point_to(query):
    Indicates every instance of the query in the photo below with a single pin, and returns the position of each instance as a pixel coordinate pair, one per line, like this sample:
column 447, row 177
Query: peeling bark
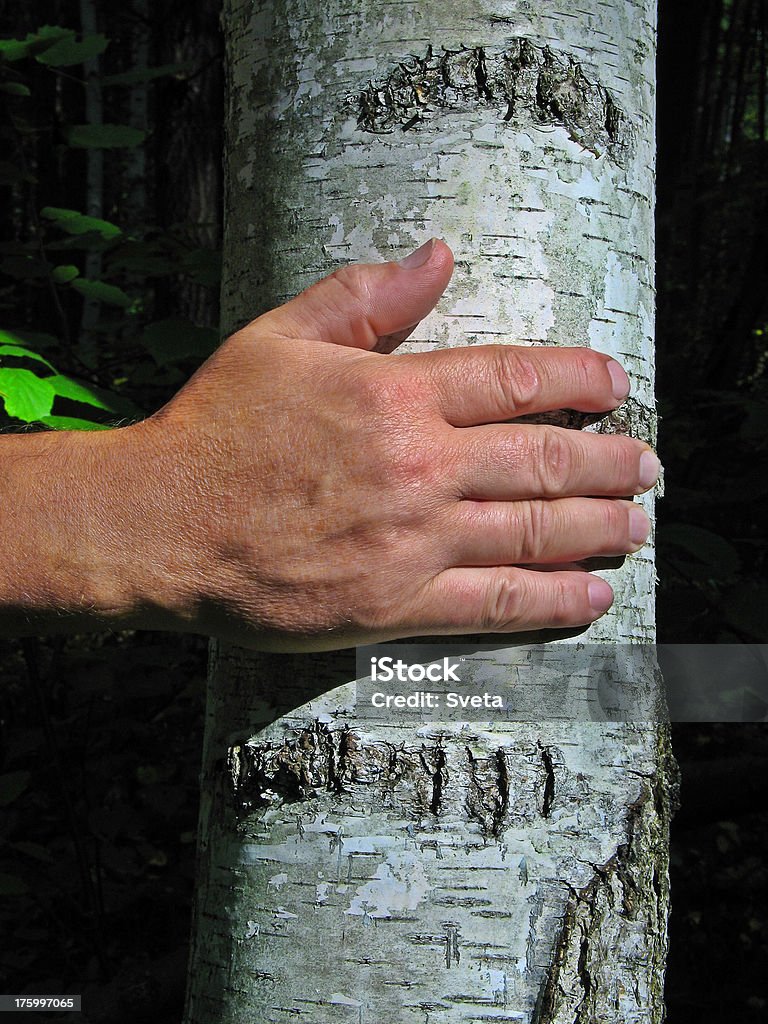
column 454, row 871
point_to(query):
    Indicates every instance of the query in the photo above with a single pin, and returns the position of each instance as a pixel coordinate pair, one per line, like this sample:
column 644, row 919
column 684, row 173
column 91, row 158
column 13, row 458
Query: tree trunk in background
column 500, row 871
column 94, row 187
column 135, row 194
column 188, row 144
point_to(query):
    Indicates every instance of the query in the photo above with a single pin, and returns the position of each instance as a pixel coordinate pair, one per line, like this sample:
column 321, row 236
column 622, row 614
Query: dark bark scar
column 526, row 83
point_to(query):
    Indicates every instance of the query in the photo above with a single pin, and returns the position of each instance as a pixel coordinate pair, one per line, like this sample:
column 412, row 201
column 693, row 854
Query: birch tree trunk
column 492, row 871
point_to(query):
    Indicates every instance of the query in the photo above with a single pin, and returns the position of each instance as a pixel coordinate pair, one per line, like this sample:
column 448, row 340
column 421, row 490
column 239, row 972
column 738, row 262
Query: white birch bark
column 492, row 871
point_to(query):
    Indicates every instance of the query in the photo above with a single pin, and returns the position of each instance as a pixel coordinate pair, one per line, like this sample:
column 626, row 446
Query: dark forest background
column 110, row 178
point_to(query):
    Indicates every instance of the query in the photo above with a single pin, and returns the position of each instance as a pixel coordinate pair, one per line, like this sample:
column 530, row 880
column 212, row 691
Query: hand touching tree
column 305, row 490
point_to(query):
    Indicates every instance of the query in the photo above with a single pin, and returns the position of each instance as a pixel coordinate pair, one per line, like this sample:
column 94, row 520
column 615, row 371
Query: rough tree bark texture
column 486, row 871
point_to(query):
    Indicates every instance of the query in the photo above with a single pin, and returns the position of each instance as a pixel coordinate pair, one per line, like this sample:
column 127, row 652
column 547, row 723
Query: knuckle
column 586, row 367
column 618, row 458
column 554, row 465
column 512, row 603
column 504, row 604
column 533, row 524
column 412, row 463
column 614, row 520
column 352, row 280
column 387, row 388
column 388, row 398
column 561, row 612
column 611, row 530
column 515, row 377
column 400, row 430
column 625, row 465
column 376, row 393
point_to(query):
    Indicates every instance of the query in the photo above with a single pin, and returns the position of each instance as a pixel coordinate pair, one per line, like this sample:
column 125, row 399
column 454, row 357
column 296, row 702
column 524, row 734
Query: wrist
column 78, row 542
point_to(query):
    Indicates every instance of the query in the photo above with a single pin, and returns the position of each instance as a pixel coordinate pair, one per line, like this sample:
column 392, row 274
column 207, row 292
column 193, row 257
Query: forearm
column 69, row 538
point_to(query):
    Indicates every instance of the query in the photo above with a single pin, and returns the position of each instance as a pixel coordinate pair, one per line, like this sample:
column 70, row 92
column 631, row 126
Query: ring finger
column 509, row 462
column 541, row 532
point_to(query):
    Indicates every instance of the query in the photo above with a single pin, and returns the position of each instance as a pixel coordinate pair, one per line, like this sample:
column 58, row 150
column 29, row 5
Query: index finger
column 493, row 383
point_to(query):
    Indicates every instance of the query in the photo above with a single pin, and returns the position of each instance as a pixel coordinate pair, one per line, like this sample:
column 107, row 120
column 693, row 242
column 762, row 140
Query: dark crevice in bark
column 502, row 800
column 545, row 1004
column 531, row 83
column 487, row 797
column 583, row 968
column 549, row 781
column 438, row 776
column 452, row 952
column 347, row 746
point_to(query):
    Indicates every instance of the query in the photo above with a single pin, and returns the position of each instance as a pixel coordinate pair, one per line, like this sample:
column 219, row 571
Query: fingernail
column 649, row 470
column 419, row 256
column 600, row 596
column 619, row 379
column 639, row 526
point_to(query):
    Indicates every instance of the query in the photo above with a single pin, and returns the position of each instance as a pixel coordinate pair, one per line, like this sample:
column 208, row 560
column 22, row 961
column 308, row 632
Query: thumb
column 367, row 305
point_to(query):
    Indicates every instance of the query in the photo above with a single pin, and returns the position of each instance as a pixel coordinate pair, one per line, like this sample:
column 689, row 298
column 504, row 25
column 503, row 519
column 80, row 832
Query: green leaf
column 49, row 34
column 36, row 42
column 34, row 338
column 12, row 785
column 65, row 273
column 15, row 89
column 77, row 391
column 75, row 223
column 11, row 885
column 68, row 51
column 14, row 49
column 170, row 340
column 146, row 74
column 26, row 396
column 103, row 136
column 102, row 292
column 22, row 353
column 72, row 423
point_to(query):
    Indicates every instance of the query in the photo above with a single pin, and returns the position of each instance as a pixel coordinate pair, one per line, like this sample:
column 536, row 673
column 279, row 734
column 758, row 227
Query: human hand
column 305, row 491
